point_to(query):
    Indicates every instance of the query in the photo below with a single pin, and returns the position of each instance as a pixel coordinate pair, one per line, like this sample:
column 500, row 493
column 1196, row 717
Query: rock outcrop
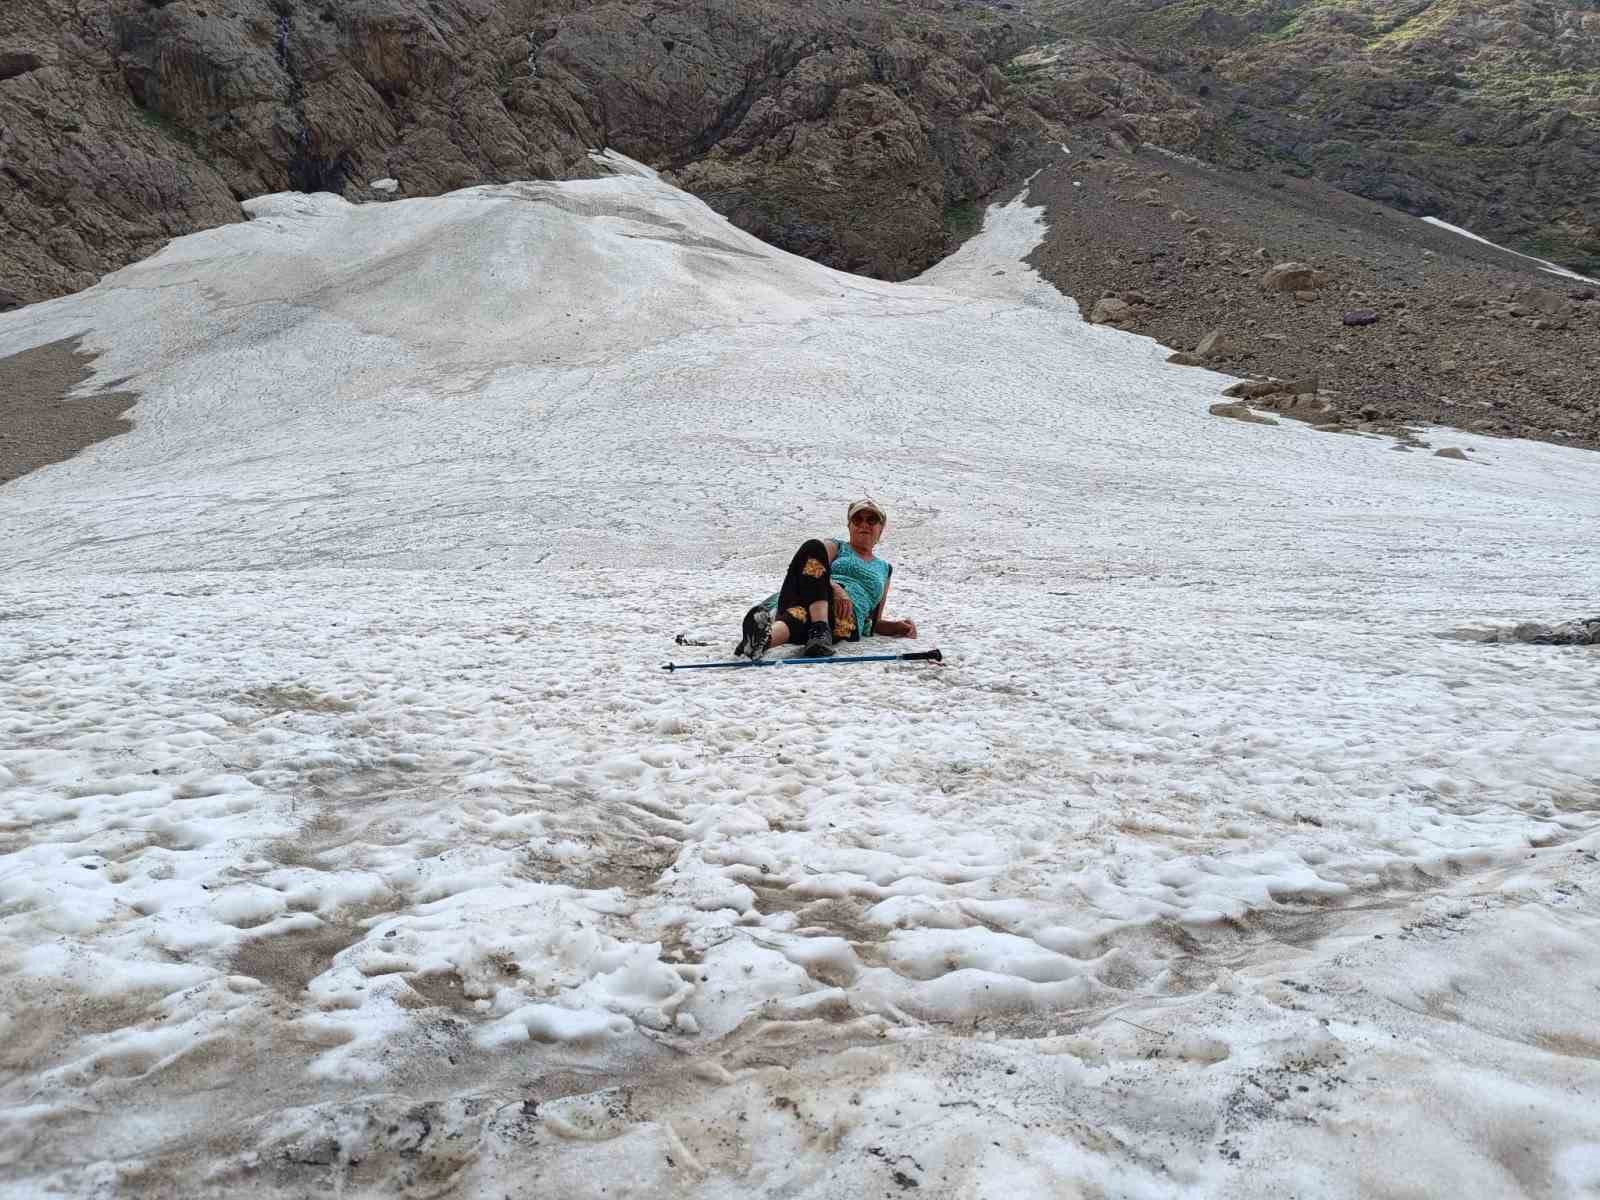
column 125, row 122
column 1582, row 632
column 854, row 133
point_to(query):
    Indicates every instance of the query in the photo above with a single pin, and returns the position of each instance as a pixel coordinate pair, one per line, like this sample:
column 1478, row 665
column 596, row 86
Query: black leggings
column 807, row 581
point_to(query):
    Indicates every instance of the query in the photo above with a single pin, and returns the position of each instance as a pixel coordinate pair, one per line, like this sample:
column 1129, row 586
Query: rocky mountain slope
column 856, row 133
column 1483, row 112
column 1387, row 323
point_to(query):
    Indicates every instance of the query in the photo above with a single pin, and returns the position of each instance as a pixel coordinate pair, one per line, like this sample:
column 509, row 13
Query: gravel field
column 1467, row 335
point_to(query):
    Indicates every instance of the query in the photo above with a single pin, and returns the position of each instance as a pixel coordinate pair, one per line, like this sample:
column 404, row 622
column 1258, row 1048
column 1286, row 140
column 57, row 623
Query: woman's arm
column 841, row 598
column 891, row 628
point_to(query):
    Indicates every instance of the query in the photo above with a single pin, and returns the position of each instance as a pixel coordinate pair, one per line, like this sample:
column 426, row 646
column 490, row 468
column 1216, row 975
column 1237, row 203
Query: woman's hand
column 908, row 629
column 841, row 602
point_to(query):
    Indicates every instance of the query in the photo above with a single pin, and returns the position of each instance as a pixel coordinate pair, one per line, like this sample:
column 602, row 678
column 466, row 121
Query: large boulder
column 1254, row 389
column 1239, row 412
column 1293, row 277
column 1108, row 310
column 1585, row 632
column 1304, row 406
column 1547, row 309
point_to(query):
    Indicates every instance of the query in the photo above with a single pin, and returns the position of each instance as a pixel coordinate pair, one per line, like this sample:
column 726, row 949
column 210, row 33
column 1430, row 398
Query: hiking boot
column 819, row 641
column 757, row 632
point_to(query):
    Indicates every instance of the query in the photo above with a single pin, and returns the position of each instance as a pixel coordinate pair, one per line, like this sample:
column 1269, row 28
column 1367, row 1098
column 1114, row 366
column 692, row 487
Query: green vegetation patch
column 1416, row 22
column 962, row 219
column 166, row 126
column 1568, row 250
column 1336, row 152
column 1175, row 23
column 1502, row 81
column 1018, row 72
column 1315, row 20
column 1292, row 26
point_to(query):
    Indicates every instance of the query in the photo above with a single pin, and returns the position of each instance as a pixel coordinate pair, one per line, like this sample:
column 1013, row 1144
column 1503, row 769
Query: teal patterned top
column 864, row 580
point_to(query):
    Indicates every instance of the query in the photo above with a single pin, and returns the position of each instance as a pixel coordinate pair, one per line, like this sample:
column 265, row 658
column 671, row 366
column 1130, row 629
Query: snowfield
column 353, row 843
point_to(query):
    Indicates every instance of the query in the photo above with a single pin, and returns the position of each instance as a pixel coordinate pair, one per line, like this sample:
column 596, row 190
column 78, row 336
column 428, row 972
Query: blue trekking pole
column 914, row 656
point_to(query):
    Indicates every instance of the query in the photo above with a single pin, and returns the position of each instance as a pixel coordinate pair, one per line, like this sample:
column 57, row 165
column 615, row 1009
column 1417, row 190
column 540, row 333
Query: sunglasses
column 866, row 518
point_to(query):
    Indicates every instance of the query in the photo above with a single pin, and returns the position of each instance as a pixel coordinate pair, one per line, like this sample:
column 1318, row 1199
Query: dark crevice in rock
column 308, row 170
column 18, row 62
column 759, row 79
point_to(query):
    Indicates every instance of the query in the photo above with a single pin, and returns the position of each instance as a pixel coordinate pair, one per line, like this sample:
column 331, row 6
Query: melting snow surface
column 352, row 841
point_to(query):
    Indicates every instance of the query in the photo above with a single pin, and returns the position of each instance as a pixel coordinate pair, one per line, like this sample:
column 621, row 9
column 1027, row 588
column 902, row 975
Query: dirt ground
column 39, row 423
column 1465, row 335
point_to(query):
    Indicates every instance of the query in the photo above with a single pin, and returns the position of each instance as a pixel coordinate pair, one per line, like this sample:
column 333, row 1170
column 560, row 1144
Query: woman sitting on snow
column 834, row 591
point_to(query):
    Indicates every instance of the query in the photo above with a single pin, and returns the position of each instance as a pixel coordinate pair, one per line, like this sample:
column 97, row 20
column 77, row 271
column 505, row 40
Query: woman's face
column 866, row 527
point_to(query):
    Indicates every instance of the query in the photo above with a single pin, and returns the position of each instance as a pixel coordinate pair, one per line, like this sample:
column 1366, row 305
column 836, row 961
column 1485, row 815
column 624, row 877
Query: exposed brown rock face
column 842, row 130
column 853, row 152
column 854, row 132
column 86, row 180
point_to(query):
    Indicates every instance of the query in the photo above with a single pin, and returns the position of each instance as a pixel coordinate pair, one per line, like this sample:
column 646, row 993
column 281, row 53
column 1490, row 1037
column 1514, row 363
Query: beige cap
column 866, row 504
